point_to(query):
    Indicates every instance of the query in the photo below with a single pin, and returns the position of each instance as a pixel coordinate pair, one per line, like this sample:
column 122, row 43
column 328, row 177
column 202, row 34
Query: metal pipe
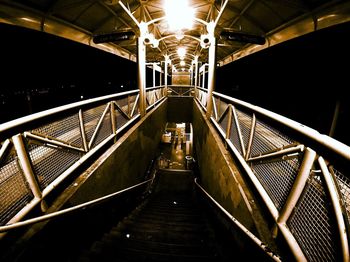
column 135, row 105
column 113, row 117
column 215, row 110
column 141, row 77
column 82, row 130
column 52, row 141
column 235, row 117
column 330, row 143
column 73, row 167
column 278, row 153
column 154, row 74
column 266, row 198
column 68, row 210
column 26, row 165
column 333, row 193
column 251, row 137
column 292, row 243
column 27, row 119
column 211, row 73
column 298, row 186
column 129, row 13
column 100, row 121
column 196, row 72
column 243, row 229
column 229, row 122
column 4, row 148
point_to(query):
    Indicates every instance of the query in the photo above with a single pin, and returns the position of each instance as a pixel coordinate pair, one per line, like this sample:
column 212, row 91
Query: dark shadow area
column 302, row 79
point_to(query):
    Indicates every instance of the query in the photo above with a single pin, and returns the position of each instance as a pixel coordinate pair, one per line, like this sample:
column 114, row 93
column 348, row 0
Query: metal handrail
column 38, row 219
column 46, row 113
column 334, row 150
column 94, row 130
column 330, row 143
column 243, row 229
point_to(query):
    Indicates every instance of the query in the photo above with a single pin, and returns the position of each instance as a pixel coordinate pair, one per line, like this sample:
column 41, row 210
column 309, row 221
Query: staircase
column 168, row 226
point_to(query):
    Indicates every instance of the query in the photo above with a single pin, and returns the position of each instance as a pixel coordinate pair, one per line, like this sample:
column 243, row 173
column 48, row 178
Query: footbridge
column 175, row 171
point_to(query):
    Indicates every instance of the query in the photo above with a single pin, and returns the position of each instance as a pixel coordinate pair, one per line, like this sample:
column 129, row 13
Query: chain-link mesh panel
column 150, row 97
column 91, row 118
column 221, row 107
column 14, row 190
column 224, row 122
column 50, row 162
column 245, row 123
column 121, row 119
column 66, row 129
column 312, row 223
column 267, row 139
column 105, row 129
column 277, row 178
column 234, row 136
column 344, row 186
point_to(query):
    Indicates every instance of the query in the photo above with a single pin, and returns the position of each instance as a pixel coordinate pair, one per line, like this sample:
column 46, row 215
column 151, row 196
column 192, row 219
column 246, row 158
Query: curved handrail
column 68, row 210
column 279, row 156
column 243, row 229
column 330, row 143
column 26, row 119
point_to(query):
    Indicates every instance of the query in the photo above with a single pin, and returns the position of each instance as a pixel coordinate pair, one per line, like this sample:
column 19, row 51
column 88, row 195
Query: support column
column 141, row 76
column 211, row 68
column 154, row 74
column 196, row 71
column 166, row 74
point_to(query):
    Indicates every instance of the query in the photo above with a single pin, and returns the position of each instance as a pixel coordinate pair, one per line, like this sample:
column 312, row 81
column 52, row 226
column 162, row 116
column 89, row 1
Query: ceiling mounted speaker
column 114, row 37
column 205, row 41
column 242, row 37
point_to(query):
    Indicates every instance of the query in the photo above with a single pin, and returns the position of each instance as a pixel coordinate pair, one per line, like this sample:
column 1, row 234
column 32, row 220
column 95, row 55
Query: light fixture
column 181, row 51
column 182, row 63
column 179, row 14
column 183, row 69
column 179, row 34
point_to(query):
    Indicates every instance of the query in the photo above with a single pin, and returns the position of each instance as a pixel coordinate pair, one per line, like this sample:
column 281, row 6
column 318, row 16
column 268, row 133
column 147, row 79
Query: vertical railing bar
column 135, row 105
column 333, row 193
column 82, row 130
column 229, row 122
column 298, row 186
column 215, row 110
column 292, row 243
column 99, row 125
column 239, row 131
column 26, row 165
column 251, row 137
column 113, row 118
column 4, row 148
column 128, row 105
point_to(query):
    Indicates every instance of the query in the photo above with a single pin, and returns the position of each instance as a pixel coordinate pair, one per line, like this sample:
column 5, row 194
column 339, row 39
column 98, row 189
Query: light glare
column 178, row 14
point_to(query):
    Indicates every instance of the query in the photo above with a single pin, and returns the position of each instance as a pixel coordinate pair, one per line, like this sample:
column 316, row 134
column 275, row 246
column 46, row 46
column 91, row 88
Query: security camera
column 205, row 41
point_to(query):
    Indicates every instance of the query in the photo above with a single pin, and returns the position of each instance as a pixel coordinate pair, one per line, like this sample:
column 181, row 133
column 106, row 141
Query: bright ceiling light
column 179, row 14
column 182, row 63
column 181, row 51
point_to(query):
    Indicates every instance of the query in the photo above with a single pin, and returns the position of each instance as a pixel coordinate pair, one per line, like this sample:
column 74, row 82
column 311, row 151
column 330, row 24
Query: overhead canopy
column 268, row 22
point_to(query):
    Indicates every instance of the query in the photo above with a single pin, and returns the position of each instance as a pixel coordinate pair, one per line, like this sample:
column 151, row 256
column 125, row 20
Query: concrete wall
column 125, row 163
column 219, row 174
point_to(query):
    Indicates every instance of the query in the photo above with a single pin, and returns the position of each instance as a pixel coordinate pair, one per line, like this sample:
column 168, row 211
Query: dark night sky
column 301, row 79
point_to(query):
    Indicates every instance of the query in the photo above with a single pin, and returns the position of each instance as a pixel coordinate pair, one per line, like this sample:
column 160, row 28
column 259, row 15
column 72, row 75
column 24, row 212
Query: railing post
column 24, row 161
column 141, row 63
column 82, row 131
column 211, row 67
